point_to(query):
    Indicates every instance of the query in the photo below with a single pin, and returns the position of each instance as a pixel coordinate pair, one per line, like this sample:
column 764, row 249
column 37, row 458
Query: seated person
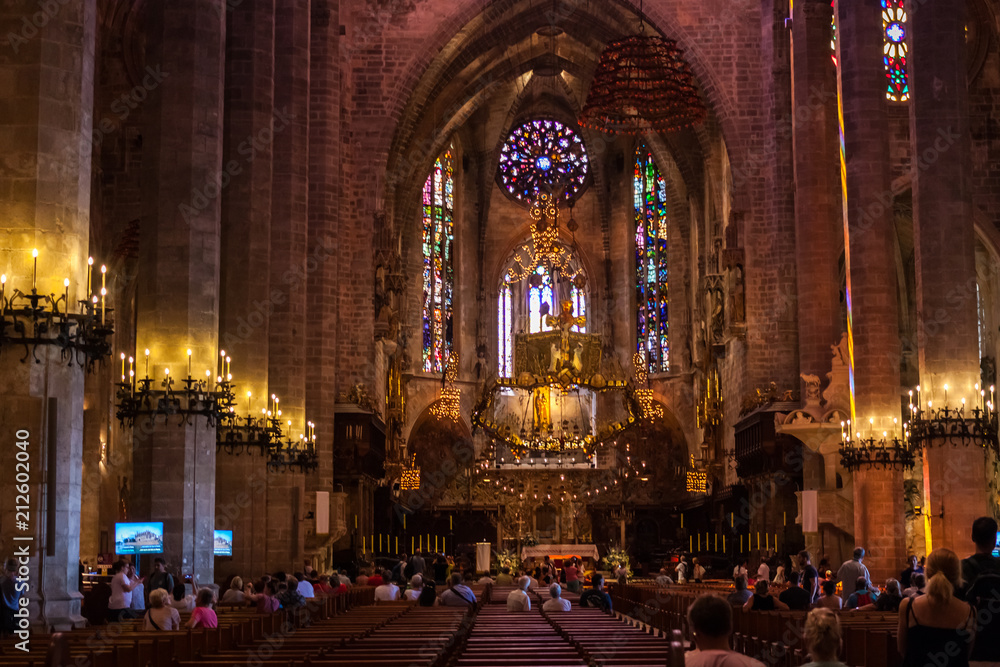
column 160, row 615
column 887, row 601
column 919, row 580
column 182, row 602
column 830, row 599
column 795, row 597
column 595, row 595
column 518, row 599
column 203, row 615
column 387, row 591
column 416, row 588
column 235, row 595
column 861, row 596
column 485, row 579
column 823, row 638
column 711, row 621
column 504, row 578
column 289, row 597
column 428, row 595
column 762, row 600
column 458, row 595
column 556, row 602
column 739, row 597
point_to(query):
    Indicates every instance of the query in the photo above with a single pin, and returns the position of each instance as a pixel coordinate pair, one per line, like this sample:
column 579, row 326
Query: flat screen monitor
column 139, row 538
column 223, row 543
column 996, row 549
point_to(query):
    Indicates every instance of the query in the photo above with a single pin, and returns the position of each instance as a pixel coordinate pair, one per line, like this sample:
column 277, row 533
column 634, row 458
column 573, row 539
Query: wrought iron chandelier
column 31, row 319
column 642, row 83
column 961, row 425
column 887, row 451
column 208, row 397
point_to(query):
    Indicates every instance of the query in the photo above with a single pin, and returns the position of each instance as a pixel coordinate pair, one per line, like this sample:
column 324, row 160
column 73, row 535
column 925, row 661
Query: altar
column 560, row 551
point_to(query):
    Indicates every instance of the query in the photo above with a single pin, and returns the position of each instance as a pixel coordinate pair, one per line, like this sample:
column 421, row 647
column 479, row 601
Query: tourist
column 399, row 569
column 417, row 564
column 122, row 585
column 981, row 574
column 304, row 588
column 160, row 615
column 810, row 577
column 862, row 595
column 556, row 601
column 822, row 635
column 681, row 570
column 428, row 596
column 546, row 577
column 182, row 601
column 887, row 601
column 851, row 572
column 572, row 572
column 323, row 587
column 8, row 598
column 664, row 579
column 375, row 579
column 235, row 595
column 159, row 577
column 795, row 597
column 486, row 579
column 740, row 569
column 264, row 596
column 343, row 578
column 697, row 570
column 518, row 599
column 504, row 578
column 387, row 591
column 441, row 570
column 458, row 595
column 203, row 615
column 763, row 570
column 779, row 576
column 919, row 583
column 621, row 573
column 138, row 595
column 416, row 588
column 595, row 595
column 741, row 595
column 362, row 579
column 290, row 598
column 830, row 599
column 937, row 628
column 532, row 582
column 906, row 576
column 762, row 600
column 711, row 621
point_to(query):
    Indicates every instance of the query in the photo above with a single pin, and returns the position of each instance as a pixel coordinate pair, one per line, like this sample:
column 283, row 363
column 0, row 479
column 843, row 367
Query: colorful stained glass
column 543, row 155
column 894, row 50
column 833, row 31
column 651, row 239
column 505, row 332
column 439, row 272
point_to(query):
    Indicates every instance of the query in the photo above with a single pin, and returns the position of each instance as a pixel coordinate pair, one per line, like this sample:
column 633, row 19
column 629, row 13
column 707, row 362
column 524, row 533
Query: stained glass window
column 539, row 294
column 505, row 332
column 579, row 300
column 652, row 322
column 543, row 155
column 833, row 31
column 894, row 50
column 439, row 271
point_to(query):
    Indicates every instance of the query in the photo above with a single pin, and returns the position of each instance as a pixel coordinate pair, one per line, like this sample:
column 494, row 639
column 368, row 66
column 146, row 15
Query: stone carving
column 359, row 395
column 813, row 393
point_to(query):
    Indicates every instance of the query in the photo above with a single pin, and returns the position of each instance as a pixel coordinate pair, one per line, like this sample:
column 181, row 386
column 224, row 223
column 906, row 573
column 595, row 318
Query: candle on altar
column 34, row 267
column 249, row 394
column 435, row 543
column 222, row 361
column 767, row 540
column 699, row 541
column 364, row 543
column 450, row 526
column 690, row 542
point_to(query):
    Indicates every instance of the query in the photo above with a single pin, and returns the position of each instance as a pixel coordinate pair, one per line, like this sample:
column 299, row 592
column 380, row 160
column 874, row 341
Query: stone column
column 178, row 295
column 947, row 338
column 872, row 295
column 247, row 304
column 45, row 131
column 818, row 226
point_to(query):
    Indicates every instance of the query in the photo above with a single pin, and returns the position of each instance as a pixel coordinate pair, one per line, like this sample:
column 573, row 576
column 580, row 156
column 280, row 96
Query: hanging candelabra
column 263, row 432
column 888, row 450
column 965, row 424
column 299, row 454
column 31, row 319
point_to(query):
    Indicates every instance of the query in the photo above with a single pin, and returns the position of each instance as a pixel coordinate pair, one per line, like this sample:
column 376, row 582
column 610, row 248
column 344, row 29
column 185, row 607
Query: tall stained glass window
column 894, row 50
column 652, row 322
column 505, row 331
column 540, row 293
column 439, row 270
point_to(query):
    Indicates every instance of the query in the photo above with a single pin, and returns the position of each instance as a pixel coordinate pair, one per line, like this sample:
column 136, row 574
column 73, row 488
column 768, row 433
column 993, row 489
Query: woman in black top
column 762, row 599
column 937, row 628
column 440, row 570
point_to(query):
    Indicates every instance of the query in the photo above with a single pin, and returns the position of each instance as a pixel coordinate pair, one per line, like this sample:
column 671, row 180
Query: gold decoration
column 643, row 394
column 697, row 481
column 410, row 478
column 449, row 405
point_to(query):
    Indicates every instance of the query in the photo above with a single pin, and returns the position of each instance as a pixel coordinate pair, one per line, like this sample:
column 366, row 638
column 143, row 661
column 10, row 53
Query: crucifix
column 565, row 321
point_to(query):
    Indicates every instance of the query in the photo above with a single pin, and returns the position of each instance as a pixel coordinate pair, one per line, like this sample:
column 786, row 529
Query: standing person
column 697, row 570
column 399, row 569
column 203, row 615
column 518, row 599
column 763, row 570
column 159, row 577
column 418, row 564
column 823, row 638
column 741, row 569
column 595, row 596
column 120, row 604
column 795, row 597
column 913, row 567
column 572, row 572
column 681, row 570
column 981, row 574
column 851, row 571
column 711, row 621
column 8, row 598
column 621, row 573
column 937, row 626
column 810, row 577
column 138, row 595
column 441, row 570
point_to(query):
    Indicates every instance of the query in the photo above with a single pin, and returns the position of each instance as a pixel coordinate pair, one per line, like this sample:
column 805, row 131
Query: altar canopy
column 560, row 551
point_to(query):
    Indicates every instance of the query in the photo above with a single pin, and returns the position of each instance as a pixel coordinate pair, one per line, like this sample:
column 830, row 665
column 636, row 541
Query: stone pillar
column 872, row 295
column 178, row 294
column 818, row 226
column 247, row 302
column 954, row 478
column 45, row 195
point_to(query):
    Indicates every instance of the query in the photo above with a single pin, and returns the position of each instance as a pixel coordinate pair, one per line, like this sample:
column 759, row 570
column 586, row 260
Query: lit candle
column 123, row 366
column 34, row 267
column 690, row 542
column 90, row 267
column 104, row 294
column 946, row 396
column 991, row 394
column 413, row 544
column 66, row 299
column 131, row 360
column 222, row 360
column 248, row 412
column 918, row 396
column 147, row 362
column 450, row 526
column 189, row 363
column 229, row 368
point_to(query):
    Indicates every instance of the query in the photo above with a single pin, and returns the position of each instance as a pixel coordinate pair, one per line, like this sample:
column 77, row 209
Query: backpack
column 864, row 598
column 983, row 593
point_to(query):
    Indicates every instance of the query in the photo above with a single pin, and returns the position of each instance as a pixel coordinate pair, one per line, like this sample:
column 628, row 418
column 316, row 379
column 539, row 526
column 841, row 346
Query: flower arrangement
column 529, row 540
column 509, row 559
column 615, row 558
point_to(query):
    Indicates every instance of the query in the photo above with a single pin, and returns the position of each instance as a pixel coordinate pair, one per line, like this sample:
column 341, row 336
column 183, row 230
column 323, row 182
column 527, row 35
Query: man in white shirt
column 850, row 571
column 764, row 570
column 681, row 571
column 518, row 599
column 556, row 602
column 305, row 588
column 711, row 621
column 664, row 579
column 388, row 591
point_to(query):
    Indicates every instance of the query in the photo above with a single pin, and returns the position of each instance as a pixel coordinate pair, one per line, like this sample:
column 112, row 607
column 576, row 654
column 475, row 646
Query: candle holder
column 882, row 453
column 249, row 434
column 32, row 319
column 955, row 426
column 197, row 398
column 289, row 454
